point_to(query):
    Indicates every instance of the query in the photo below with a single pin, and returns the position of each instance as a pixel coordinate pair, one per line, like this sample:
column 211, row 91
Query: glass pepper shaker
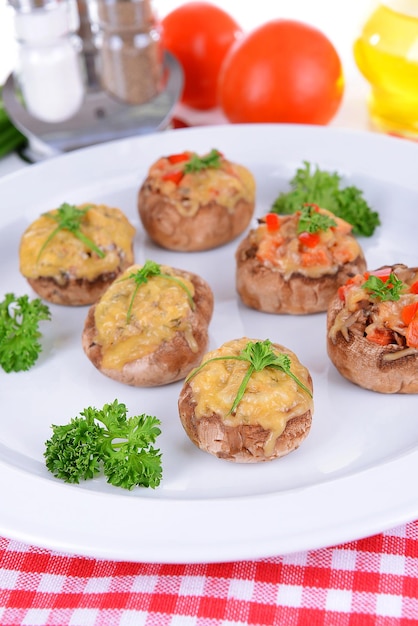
column 130, row 54
column 49, row 70
column 88, row 47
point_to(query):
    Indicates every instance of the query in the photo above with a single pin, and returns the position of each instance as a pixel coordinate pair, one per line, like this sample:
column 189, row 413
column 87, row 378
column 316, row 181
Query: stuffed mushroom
column 295, row 263
column 190, row 203
column 249, row 401
column 150, row 327
column 372, row 330
column 72, row 254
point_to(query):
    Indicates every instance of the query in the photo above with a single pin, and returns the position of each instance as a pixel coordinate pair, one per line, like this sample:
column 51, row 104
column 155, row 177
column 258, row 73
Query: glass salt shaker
column 129, row 50
column 49, row 70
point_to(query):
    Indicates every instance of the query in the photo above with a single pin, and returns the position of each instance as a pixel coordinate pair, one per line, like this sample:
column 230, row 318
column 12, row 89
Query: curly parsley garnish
column 142, row 276
column 105, row 439
column 312, row 221
column 383, row 290
column 259, row 355
column 323, row 188
column 19, row 331
column 69, row 217
column 197, row 163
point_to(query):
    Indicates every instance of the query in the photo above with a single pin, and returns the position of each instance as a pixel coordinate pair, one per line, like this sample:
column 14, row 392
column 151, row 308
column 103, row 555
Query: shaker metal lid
column 30, row 5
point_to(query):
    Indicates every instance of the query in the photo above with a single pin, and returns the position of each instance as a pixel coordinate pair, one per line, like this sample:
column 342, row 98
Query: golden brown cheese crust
column 390, row 368
column 206, row 209
column 274, row 284
column 276, row 418
column 67, row 272
column 163, row 360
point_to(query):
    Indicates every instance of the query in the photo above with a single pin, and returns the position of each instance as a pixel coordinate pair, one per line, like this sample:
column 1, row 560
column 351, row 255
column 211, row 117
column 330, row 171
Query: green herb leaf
column 312, row 221
column 353, row 208
column 259, row 355
column 10, row 137
column 384, row 290
column 69, row 217
column 106, row 440
column 142, row 276
column 73, row 452
column 211, row 160
column 316, row 186
column 19, row 331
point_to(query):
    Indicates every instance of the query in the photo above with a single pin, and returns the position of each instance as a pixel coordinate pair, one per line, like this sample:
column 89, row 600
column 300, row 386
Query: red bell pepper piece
column 178, row 158
column 314, row 257
column 272, row 222
column 342, row 290
column 175, row 176
column 414, row 287
column 412, row 333
column 409, row 312
column 310, row 240
column 381, row 336
column 382, row 273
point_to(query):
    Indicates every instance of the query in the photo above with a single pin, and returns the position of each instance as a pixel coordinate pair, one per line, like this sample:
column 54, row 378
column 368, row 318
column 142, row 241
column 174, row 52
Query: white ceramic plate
column 350, row 478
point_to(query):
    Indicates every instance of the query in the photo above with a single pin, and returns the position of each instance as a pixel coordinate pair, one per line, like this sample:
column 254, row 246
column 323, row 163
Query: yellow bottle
column 386, row 52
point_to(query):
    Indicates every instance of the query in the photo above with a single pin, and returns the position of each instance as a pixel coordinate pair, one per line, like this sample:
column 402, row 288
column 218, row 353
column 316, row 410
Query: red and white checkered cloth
column 368, row 582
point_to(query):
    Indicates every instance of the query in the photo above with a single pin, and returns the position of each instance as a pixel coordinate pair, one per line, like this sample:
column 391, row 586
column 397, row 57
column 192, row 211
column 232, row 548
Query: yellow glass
column 386, row 52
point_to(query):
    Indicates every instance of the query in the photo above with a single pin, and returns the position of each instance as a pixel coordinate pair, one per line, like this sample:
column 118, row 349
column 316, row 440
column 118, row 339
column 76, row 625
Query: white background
column 340, row 20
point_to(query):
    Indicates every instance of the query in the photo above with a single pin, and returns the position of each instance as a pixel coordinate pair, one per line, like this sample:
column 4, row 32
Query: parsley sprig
column 106, row 440
column 69, row 217
column 196, row 163
column 313, row 185
column 259, row 355
column 142, row 276
column 384, row 290
column 19, row 331
column 312, row 221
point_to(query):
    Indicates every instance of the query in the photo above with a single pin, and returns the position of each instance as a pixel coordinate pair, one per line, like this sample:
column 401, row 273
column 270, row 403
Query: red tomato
column 199, row 35
column 283, row 71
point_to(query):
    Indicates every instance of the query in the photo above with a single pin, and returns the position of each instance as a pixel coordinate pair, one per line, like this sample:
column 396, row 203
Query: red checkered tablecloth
column 368, row 582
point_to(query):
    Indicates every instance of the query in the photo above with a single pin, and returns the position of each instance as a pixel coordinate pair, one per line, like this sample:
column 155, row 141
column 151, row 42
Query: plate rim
column 187, row 548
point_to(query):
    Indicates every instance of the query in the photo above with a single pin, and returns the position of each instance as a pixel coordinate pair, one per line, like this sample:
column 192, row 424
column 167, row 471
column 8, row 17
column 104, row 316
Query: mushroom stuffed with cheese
column 248, row 401
column 70, row 255
column 295, row 263
column 372, row 329
column 150, row 327
column 190, row 203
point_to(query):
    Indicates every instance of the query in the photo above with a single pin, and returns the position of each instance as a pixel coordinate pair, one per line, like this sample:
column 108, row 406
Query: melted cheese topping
column 66, row 256
column 161, row 308
column 271, row 397
column 282, row 249
column 225, row 186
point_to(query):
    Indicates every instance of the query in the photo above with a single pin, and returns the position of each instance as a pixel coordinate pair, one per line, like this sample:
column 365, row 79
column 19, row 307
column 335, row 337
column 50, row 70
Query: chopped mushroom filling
column 188, row 189
column 283, row 243
column 382, row 314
